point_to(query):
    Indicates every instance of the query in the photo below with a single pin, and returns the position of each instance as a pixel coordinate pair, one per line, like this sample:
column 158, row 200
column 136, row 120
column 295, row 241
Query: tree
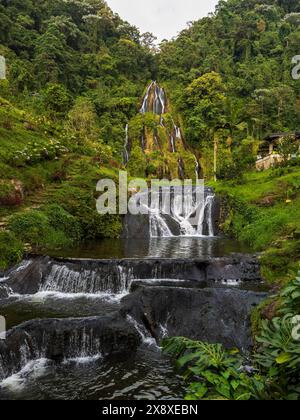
column 56, row 99
column 205, row 102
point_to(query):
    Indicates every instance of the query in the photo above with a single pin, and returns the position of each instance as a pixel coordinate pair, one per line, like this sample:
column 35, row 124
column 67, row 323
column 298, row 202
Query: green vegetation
column 11, row 250
column 215, row 373
column 76, row 73
column 229, row 75
column 262, row 209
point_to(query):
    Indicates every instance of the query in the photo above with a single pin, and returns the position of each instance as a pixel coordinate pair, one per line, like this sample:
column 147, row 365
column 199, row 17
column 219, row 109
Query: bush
column 82, row 205
column 60, row 220
column 56, row 99
column 44, row 231
column 11, row 250
column 211, row 371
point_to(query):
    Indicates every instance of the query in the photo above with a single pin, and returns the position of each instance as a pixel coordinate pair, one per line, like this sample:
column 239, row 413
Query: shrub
column 35, row 228
column 56, row 99
column 61, row 220
column 211, row 371
column 11, row 250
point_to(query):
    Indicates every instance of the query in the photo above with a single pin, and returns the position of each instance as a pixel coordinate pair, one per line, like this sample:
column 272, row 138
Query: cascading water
column 143, row 145
column 170, row 212
column 154, row 100
column 144, row 107
column 197, row 168
column 173, row 147
column 114, row 280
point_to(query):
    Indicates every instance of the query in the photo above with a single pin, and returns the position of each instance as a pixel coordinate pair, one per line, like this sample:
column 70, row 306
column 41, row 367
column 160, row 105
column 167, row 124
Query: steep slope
column 155, row 146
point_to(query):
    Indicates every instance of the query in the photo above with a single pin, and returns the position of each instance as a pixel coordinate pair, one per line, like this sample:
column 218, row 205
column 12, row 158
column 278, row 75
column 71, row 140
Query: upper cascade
column 154, row 145
column 155, row 100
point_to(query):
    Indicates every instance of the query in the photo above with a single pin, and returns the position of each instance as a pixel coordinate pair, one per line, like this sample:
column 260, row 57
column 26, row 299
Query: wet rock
column 59, row 339
column 114, row 276
column 3, row 292
column 239, row 267
column 27, row 276
column 136, row 226
column 215, row 315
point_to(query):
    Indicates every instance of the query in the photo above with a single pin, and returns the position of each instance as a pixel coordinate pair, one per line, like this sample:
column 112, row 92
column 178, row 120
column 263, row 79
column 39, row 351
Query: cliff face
column 155, row 146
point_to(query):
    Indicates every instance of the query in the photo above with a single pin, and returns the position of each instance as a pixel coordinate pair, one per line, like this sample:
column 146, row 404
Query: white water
column 181, row 212
column 112, row 284
column 33, row 369
column 197, row 168
column 173, row 144
column 144, row 107
column 143, row 333
column 159, row 100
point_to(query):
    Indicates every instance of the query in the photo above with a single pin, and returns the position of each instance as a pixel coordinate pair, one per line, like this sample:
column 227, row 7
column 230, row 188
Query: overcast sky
column 164, row 18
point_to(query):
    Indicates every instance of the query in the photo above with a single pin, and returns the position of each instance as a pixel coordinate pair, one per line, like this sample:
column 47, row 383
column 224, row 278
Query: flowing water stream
column 88, row 323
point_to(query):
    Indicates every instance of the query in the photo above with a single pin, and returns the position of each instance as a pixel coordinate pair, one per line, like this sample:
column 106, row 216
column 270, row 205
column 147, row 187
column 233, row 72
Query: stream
column 87, row 323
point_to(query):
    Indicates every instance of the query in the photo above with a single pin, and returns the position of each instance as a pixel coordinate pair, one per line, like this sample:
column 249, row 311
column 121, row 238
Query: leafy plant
column 11, row 250
column 291, row 297
column 211, row 371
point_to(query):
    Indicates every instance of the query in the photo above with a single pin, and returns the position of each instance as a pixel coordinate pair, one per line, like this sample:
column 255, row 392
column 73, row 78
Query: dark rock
column 239, row 267
column 3, row 292
column 93, row 276
column 213, row 315
column 136, row 227
column 55, row 339
column 26, row 277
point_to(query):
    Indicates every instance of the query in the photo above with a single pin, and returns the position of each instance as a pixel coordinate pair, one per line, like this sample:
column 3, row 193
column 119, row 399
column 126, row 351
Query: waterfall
column 176, row 212
column 158, row 227
column 126, row 145
column 197, row 168
column 144, row 107
column 143, row 146
column 173, row 144
column 178, row 132
column 206, row 215
column 96, row 280
column 59, row 340
column 155, row 92
column 141, row 330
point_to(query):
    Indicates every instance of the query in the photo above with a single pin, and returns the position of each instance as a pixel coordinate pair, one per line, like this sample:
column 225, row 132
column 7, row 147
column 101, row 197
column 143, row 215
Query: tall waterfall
column 144, row 107
column 154, row 100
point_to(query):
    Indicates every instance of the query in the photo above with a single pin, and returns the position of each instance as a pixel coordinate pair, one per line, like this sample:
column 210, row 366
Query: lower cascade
column 157, row 298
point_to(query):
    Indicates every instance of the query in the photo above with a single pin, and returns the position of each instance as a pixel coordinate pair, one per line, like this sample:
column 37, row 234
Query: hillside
column 87, row 96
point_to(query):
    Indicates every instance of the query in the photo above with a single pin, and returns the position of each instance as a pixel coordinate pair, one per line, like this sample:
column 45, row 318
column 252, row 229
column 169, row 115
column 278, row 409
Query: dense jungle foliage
column 76, row 75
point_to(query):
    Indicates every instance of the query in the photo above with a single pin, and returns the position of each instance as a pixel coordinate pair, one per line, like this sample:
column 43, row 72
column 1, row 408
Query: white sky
column 164, row 18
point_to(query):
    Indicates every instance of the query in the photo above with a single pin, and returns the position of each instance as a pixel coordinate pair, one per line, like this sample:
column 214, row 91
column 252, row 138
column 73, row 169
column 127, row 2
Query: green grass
column 59, row 205
column 263, row 210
